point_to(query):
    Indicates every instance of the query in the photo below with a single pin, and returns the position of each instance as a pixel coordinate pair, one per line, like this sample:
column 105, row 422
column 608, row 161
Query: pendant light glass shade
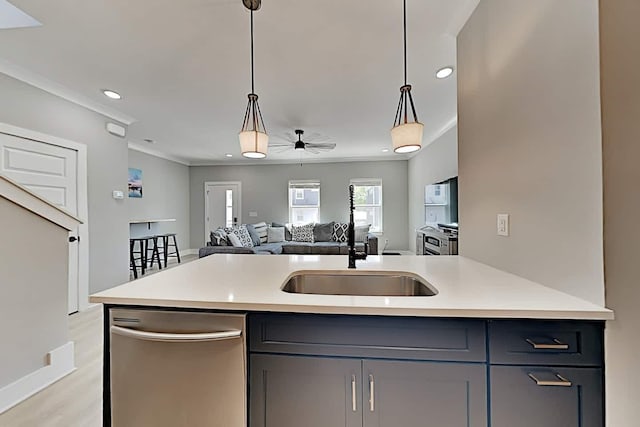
column 407, row 138
column 254, row 140
column 406, row 134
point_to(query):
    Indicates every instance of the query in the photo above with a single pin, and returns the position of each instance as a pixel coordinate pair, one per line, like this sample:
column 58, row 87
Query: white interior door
column 51, row 172
column 222, row 205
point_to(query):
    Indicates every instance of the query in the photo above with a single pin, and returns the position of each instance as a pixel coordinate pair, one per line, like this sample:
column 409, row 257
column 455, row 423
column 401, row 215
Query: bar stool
column 137, row 255
column 151, row 243
column 168, row 242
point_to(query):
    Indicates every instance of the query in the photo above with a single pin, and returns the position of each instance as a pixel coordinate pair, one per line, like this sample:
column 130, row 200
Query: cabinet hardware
column 175, row 337
column 372, row 393
column 353, row 393
column 557, row 346
column 562, row 383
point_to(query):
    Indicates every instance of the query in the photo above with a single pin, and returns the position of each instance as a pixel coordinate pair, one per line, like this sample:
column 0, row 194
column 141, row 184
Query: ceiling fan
column 315, row 143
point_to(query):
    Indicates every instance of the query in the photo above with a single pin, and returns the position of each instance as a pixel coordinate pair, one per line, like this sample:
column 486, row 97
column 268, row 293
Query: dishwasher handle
column 176, row 337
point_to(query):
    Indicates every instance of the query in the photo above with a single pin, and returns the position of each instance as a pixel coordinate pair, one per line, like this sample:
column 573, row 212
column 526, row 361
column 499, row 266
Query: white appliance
column 173, row 368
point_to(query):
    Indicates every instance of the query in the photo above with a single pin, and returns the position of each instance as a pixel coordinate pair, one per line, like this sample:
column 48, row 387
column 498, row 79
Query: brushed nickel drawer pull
column 562, row 383
column 372, row 394
column 353, row 393
column 557, row 346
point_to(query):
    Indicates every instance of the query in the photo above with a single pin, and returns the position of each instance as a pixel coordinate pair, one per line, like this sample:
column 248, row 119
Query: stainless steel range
column 437, row 241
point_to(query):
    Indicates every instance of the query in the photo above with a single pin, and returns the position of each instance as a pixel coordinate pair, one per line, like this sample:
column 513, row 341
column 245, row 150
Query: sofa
column 321, row 244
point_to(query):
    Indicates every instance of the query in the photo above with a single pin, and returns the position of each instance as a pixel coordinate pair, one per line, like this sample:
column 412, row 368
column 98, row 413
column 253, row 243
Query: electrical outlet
column 503, row 225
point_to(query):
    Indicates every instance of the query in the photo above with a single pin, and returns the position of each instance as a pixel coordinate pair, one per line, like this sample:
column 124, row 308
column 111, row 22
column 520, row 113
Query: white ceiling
column 332, row 66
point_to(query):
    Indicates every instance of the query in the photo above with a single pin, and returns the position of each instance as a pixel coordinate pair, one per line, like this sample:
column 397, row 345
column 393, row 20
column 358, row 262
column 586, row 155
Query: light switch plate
column 503, row 224
column 253, row 214
column 118, row 195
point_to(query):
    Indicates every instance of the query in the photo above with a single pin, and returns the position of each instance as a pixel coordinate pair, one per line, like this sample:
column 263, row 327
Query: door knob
column 74, row 238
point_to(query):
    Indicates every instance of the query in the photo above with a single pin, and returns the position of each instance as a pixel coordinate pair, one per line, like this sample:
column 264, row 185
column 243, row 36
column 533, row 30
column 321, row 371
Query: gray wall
column 165, row 195
column 31, row 108
column 33, row 301
column 264, row 190
column 434, row 163
column 529, row 141
column 621, row 151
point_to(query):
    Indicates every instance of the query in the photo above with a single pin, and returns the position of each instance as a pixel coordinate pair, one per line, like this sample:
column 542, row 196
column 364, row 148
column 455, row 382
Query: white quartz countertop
column 465, row 288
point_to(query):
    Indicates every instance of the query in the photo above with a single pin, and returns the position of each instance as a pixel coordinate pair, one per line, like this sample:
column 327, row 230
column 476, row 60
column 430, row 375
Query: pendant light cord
column 252, row 83
column 404, row 10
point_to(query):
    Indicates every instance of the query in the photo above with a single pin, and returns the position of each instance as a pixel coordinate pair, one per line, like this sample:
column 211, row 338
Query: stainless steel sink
column 365, row 284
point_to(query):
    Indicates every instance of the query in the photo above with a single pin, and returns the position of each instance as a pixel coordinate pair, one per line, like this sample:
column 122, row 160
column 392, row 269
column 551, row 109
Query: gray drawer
column 550, row 343
column 535, row 396
column 363, row 336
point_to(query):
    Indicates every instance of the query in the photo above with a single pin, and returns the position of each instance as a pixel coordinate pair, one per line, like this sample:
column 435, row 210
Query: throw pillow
column 219, row 238
column 235, row 240
column 340, row 232
column 287, row 231
column 261, row 229
column 242, row 233
column 361, row 232
column 275, row 234
column 255, row 238
column 302, row 233
column 323, row 232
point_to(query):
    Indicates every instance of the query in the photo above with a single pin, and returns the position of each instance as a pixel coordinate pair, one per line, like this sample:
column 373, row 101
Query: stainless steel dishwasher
column 171, row 368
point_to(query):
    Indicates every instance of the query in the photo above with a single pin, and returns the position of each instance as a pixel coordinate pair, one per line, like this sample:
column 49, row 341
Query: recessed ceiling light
column 111, row 94
column 445, row 72
column 228, row 155
column 385, row 150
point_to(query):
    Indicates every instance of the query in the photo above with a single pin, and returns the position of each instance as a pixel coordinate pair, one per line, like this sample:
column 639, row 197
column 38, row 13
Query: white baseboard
column 188, row 252
column 60, row 362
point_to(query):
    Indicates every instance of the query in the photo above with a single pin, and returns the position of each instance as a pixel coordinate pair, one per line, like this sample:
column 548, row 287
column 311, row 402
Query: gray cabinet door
column 528, row 396
column 297, row 391
column 416, row 394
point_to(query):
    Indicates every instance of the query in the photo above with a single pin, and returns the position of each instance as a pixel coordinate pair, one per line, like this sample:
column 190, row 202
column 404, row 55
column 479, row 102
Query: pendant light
column 406, row 135
column 253, row 136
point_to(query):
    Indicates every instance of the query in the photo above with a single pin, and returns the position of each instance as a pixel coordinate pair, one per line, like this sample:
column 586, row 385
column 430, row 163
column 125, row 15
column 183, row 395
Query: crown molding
column 302, row 162
column 150, row 151
column 63, row 92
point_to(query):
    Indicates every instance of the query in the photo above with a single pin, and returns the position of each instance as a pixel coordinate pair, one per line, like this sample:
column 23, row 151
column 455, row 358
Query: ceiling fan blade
column 316, row 137
column 311, row 150
column 321, row 145
column 281, row 149
column 280, row 144
column 281, row 138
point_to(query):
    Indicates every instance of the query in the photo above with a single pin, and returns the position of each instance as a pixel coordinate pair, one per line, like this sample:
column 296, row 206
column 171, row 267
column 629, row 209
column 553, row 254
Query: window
column 367, row 200
column 441, row 202
column 304, row 202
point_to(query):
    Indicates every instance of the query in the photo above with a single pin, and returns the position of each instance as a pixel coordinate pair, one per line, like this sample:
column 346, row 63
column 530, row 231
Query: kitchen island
column 489, row 348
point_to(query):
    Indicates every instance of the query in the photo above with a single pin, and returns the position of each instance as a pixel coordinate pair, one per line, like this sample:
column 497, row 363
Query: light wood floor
column 75, row 400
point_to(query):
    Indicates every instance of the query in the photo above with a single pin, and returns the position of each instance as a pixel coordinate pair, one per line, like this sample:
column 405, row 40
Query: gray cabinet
column 367, row 371
column 527, row 396
column 546, row 373
column 295, row 391
column 398, row 394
